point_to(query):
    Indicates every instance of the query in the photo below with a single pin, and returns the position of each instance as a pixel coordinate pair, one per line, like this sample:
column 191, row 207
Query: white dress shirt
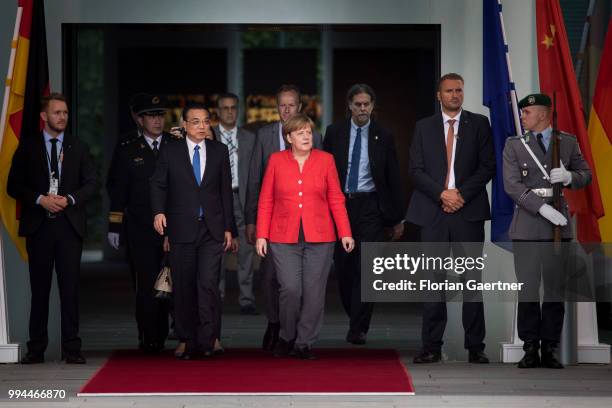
column 191, row 146
column 150, row 141
column 445, row 118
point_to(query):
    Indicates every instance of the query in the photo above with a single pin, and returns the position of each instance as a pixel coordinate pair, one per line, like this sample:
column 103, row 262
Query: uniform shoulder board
column 565, row 134
column 129, row 140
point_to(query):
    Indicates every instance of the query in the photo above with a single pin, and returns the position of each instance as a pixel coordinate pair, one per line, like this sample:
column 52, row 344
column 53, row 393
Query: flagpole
column 583, row 41
column 511, row 351
column 9, row 75
column 513, row 97
column 9, row 353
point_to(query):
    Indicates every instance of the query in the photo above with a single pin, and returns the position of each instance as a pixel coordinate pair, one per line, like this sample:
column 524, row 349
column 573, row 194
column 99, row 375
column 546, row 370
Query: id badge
column 53, row 186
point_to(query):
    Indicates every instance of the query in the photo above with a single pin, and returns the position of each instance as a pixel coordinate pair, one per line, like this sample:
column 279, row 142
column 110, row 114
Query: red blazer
column 314, row 196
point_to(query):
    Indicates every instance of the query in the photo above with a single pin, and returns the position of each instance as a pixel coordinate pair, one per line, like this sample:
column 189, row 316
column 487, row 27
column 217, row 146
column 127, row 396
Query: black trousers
column 367, row 226
column 195, row 277
column 534, row 265
column 145, row 254
column 453, row 228
column 54, row 245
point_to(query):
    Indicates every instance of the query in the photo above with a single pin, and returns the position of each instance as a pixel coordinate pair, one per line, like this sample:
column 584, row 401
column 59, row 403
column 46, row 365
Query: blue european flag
column 498, row 92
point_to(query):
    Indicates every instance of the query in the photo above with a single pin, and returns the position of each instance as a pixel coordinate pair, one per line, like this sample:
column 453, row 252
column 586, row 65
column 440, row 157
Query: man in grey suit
column 270, row 139
column 240, row 144
column 527, row 180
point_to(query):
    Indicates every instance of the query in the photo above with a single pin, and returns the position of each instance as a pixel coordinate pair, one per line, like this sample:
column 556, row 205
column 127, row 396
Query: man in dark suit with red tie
column 52, row 176
column 191, row 199
column 368, row 169
column 451, row 162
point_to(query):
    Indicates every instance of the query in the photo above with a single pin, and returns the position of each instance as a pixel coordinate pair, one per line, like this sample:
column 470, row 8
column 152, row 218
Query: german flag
column 27, row 82
column 600, row 134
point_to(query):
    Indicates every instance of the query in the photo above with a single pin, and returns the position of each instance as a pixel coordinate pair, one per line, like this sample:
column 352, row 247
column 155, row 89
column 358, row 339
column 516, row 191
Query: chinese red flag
column 557, row 77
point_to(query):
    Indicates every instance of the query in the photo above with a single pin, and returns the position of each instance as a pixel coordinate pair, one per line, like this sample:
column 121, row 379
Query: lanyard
column 58, row 161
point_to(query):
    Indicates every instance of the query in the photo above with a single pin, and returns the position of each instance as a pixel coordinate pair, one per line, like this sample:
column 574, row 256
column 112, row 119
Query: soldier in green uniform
column 528, row 180
column 130, row 215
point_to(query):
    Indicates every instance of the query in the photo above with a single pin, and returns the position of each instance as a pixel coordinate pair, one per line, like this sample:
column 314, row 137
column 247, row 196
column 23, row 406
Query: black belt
column 235, row 190
column 360, row 194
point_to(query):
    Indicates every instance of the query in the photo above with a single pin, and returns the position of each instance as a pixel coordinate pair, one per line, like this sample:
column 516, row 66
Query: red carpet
column 249, row 371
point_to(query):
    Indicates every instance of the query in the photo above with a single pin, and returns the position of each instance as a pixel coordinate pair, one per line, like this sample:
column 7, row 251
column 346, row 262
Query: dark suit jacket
column 132, row 166
column 246, row 143
column 267, row 142
column 384, row 166
column 474, row 167
column 174, row 192
column 29, row 178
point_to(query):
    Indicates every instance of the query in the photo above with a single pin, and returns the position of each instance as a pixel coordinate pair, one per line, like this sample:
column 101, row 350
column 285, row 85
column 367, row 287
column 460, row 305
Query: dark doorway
column 404, row 82
column 177, row 73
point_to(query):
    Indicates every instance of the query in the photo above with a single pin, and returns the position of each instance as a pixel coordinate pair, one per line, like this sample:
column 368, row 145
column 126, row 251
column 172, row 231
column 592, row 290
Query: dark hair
column 227, row 95
column 194, row 106
column 289, row 88
column 452, row 76
column 360, row 88
column 55, row 96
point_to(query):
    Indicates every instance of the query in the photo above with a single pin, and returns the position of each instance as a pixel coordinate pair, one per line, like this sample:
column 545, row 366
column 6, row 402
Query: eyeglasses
column 198, row 122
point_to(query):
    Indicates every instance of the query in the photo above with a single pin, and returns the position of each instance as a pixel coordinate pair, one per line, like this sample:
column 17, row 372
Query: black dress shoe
column 531, row 359
column 187, row 355
column 427, row 357
column 304, row 353
column 549, row 359
column 33, row 358
column 75, row 358
column 478, row 357
column 152, row 348
column 249, row 310
column 283, row 348
column 356, row 338
column 271, row 337
column 219, row 351
column 209, row 353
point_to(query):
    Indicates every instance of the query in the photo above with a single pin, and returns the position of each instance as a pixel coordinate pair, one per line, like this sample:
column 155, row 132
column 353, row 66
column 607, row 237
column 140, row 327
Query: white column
column 9, row 353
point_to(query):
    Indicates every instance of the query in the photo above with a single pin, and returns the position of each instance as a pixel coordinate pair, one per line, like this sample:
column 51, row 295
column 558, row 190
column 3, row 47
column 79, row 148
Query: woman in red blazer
column 300, row 195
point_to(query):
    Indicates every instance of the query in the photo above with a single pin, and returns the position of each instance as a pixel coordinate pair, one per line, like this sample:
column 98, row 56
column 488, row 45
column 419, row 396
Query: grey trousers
column 245, row 261
column 303, row 269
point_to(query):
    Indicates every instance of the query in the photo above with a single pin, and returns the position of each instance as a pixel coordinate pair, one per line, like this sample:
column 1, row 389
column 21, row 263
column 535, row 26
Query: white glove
column 113, row 239
column 560, row 175
column 552, row 215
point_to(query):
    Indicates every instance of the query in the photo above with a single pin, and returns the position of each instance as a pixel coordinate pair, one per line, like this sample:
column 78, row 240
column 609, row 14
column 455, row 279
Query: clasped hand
column 452, row 200
column 53, row 203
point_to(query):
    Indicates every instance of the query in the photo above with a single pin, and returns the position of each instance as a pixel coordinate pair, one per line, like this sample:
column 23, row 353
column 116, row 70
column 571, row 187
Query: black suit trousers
column 151, row 313
column 453, row 228
column 367, row 226
column 195, row 276
column 54, row 244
